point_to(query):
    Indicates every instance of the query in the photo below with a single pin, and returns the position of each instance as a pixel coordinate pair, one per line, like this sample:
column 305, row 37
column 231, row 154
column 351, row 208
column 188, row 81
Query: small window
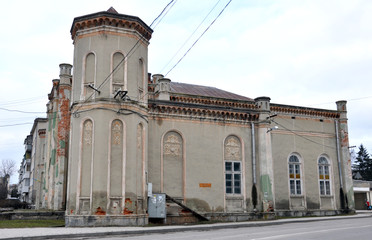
column 324, row 177
column 294, row 168
column 233, row 177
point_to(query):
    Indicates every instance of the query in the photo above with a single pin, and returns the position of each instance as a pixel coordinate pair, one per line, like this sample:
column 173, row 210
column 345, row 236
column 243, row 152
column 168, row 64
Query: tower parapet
column 110, row 20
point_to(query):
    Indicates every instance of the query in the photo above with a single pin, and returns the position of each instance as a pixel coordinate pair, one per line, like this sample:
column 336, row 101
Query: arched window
column 294, row 167
column 324, row 176
column 141, row 80
column 118, row 67
column 89, row 68
column 233, row 165
column 89, row 74
column 173, row 164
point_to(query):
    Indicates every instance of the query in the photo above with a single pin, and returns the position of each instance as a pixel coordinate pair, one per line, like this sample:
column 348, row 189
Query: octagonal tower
column 107, row 159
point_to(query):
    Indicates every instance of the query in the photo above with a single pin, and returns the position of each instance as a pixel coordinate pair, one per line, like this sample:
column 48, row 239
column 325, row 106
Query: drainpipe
column 253, row 154
column 339, row 166
column 254, row 189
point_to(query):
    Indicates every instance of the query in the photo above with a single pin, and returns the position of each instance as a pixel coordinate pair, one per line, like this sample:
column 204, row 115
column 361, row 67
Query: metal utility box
column 156, row 205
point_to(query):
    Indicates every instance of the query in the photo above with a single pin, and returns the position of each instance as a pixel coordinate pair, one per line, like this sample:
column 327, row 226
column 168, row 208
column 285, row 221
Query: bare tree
column 7, row 167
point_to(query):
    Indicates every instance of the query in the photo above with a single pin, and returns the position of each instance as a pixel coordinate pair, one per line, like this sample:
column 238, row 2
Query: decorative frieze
column 172, row 145
column 116, row 132
column 88, row 132
column 232, row 148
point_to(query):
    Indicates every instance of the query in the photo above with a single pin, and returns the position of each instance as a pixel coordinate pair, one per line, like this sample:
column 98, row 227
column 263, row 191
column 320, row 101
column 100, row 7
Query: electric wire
column 21, row 101
column 125, row 58
column 308, row 139
column 348, row 100
column 199, row 38
column 16, row 124
column 19, row 111
column 160, row 15
column 192, row 34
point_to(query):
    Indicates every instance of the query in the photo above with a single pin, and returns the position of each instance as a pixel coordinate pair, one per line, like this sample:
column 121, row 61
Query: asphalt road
column 354, row 229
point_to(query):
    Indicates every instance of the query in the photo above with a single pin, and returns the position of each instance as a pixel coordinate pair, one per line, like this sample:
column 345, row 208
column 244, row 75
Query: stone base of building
column 32, row 215
column 105, row 220
column 239, row 217
column 311, row 213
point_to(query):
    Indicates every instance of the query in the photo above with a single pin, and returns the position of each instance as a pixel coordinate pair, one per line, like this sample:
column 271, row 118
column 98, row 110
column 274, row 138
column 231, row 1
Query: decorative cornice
column 199, row 112
column 214, row 101
column 110, row 19
column 276, row 108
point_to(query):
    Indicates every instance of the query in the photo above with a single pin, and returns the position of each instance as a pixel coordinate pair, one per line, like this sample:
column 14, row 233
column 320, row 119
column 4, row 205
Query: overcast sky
column 308, row 53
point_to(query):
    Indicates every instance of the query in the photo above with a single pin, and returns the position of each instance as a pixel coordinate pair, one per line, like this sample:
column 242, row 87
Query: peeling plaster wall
column 204, row 163
column 309, row 138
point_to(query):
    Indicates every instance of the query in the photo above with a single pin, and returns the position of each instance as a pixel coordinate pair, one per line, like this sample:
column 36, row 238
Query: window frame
column 295, row 175
column 324, row 176
column 233, row 178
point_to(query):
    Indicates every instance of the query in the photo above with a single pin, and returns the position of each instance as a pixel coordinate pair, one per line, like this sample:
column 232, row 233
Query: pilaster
column 345, row 154
column 264, row 154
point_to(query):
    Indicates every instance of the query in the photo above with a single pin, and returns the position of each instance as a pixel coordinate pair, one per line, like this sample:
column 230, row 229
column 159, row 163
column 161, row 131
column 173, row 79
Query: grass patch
column 31, row 223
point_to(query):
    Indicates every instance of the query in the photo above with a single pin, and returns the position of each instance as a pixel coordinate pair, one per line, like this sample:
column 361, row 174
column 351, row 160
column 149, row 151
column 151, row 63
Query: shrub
column 13, row 203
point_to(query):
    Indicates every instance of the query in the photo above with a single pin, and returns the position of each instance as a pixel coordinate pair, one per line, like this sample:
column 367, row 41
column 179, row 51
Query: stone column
column 264, row 155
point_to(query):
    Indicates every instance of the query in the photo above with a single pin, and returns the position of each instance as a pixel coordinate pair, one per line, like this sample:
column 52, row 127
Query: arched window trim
column 84, row 84
column 123, row 144
column 122, row 85
column 324, row 176
column 295, row 174
column 233, row 170
column 183, row 161
column 141, row 83
column 79, row 199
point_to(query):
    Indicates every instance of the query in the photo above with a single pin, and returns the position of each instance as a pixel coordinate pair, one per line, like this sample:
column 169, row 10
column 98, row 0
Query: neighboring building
column 38, row 154
column 58, row 110
column 25, row 171
column 223, row 155
column 362, row 194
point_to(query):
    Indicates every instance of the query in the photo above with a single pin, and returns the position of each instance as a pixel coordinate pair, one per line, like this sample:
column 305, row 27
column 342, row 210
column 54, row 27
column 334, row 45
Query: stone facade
column 223, row 155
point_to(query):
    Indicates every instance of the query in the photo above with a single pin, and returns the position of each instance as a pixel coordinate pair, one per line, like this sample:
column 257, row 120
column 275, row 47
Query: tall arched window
column 173, row 164
column 89, row 74
column 89, row 68
column 294, row 167
column 141, row 80
column 324, row 176
column 118, row 67
column 233, row 165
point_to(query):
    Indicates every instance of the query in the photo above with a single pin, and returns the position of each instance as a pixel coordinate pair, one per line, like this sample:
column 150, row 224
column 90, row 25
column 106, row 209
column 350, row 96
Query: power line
column 349, row 100
column 19, row 111
column 192, row 34
column 303, row 136
column 22, row 101
column 131, row 51
column 166, row 7
column 16, row 124
column 199, row 37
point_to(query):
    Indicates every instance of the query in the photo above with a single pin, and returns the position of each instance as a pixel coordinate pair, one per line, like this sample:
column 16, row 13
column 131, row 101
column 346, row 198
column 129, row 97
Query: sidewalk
column 61, row 232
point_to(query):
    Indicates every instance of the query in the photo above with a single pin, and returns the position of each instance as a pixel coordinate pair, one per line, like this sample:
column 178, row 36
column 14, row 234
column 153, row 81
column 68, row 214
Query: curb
column 207, row 227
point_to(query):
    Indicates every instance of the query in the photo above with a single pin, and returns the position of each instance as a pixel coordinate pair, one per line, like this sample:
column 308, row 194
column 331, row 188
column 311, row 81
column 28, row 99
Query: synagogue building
column 115, row 135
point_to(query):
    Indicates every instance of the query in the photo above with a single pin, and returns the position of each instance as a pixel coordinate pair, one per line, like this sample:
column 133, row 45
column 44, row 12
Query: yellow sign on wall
column 207, row 185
